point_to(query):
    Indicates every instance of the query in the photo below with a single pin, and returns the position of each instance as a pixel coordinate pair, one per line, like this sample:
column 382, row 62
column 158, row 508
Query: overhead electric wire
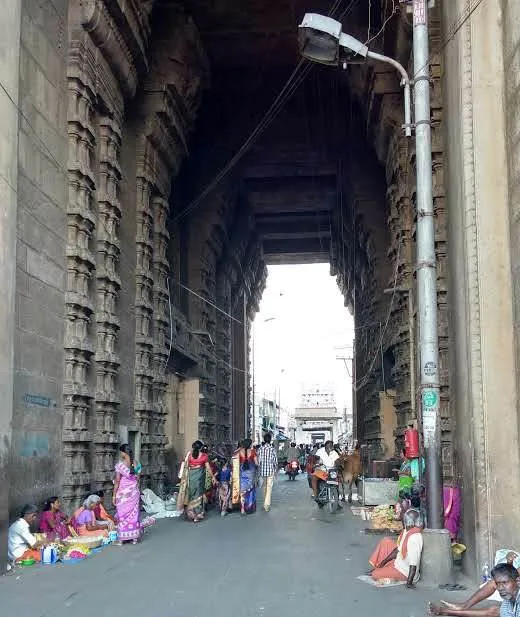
column 292, row 84
column 464, row 16
column 395, row 11
column 294, row 81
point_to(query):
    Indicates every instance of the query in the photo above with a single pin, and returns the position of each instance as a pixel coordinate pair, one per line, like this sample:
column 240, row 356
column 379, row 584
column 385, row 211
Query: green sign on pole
column 429, row 398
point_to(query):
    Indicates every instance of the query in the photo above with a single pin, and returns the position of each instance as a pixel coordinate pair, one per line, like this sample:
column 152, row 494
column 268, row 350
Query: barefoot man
column 505, row 578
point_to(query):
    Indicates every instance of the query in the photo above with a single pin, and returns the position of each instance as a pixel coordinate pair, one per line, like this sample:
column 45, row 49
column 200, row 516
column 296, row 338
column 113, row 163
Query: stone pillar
column 223, row 350
column 239, row 362
column 480, row 277
column 78, row 388
column 10, row 25
column 161, row 333
column 108, row 287
column 144, row 344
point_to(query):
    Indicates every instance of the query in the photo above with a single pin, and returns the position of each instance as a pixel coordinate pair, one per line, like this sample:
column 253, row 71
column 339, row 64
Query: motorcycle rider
column 327, row 458
column 292, row 452
column 292, row 455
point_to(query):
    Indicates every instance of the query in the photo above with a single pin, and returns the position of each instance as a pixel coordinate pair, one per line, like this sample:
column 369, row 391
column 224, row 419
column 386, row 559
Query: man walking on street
column 267, row 466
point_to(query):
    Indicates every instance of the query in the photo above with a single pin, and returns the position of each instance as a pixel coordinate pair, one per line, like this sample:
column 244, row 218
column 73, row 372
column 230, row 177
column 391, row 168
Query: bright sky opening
column 301, row 330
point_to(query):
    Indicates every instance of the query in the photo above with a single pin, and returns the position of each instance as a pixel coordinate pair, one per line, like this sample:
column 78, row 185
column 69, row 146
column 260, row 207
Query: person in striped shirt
column 267, row 468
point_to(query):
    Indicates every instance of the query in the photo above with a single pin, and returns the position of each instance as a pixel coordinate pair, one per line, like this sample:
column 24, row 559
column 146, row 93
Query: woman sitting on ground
column 84, row 520
column 400, row 562
column 53, row 522
column 102, row 516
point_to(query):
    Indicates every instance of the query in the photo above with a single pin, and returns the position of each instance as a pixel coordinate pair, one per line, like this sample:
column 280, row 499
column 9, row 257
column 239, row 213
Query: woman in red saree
column 194, row 471
column 53, row 522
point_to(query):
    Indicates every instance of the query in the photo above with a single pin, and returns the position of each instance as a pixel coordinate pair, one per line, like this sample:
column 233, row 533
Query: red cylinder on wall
column 411, row 443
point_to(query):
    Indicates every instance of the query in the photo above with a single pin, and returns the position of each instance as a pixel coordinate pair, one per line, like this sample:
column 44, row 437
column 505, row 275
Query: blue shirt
column 224, row 475
column 510, row 608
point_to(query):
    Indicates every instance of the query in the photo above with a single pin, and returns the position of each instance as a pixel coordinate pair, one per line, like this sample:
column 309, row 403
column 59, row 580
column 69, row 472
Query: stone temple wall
column 35, row 461
column 101, row 144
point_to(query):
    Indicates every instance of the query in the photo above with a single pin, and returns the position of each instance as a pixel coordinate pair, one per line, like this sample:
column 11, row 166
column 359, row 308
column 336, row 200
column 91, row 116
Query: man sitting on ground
column 21, row 544
column 486, row 591
column 400, row 562
column 506, row 580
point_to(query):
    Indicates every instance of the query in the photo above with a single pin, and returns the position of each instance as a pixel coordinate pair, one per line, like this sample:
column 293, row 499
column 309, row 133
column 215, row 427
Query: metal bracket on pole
column 409, row 5
column 405, row 83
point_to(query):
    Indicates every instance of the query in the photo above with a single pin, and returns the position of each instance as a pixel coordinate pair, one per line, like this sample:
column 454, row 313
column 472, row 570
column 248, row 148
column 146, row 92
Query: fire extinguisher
column 411, row 442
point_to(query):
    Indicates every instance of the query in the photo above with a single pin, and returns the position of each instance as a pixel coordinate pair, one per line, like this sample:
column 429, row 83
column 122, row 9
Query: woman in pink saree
column 53, row 522
column 452, row 502
column 126, row 497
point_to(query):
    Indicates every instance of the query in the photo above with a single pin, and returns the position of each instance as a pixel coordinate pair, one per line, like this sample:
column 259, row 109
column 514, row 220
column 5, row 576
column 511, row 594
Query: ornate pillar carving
column 108, row 286
column 223, row 350
column 144, row 343
column 161, row 333
column 81, row 261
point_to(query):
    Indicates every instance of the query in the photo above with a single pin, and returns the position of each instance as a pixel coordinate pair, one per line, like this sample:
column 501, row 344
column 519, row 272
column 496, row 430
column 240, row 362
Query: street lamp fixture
column 321, row 40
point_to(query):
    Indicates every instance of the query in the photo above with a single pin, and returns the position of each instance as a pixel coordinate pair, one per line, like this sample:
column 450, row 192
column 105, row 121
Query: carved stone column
column 161, row 333
column 223, row 350
column 81, row 261
column 144, row 343
column 108, row 286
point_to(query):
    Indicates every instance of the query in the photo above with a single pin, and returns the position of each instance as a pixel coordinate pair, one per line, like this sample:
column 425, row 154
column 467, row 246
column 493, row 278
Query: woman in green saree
column 193, row 483
column 405, row 473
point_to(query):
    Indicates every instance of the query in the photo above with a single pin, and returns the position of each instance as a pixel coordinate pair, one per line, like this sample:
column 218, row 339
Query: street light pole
column 426, row 267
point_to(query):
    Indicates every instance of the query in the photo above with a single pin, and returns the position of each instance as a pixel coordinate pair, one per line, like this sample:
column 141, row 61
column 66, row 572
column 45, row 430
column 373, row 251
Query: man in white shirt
column 327, row 459
column 400, row 562
column 21, row 544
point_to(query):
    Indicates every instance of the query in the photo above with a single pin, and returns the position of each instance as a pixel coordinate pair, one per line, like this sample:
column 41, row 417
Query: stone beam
column 296, row 246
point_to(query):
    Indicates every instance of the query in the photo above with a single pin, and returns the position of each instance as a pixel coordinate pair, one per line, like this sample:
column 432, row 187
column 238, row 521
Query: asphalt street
column 292, row 562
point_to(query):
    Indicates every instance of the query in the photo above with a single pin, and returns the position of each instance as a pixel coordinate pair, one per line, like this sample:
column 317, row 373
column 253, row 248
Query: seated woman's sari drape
column 83, row 517
column 53, row 525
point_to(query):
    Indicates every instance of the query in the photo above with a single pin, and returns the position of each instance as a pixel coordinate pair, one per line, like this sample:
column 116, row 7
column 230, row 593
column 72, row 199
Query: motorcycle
column 328, row 492
column 292, row 469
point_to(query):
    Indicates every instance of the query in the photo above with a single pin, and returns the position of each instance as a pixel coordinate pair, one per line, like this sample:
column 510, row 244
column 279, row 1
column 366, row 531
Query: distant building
column 317, row 418
column 266, row 415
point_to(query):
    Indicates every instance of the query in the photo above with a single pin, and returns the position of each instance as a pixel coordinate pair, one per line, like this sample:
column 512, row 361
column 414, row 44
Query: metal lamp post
column 427, row 267
column 321, row 39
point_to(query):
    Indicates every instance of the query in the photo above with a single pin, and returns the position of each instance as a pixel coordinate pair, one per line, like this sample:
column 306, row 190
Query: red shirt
column 198, row 462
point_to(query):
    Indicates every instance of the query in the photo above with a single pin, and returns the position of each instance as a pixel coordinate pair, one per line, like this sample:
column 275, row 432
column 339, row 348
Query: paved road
column 293, row 562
